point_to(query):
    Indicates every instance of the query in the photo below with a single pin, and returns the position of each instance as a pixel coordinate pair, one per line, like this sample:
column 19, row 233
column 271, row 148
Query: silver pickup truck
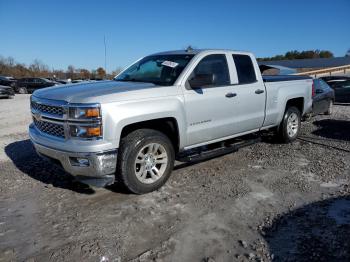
column 162, row 108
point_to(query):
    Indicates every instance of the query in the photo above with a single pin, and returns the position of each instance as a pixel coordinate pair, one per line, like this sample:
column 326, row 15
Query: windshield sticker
column 170, row 64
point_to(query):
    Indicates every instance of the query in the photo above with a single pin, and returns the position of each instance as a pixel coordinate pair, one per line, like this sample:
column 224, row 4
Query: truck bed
column 282, row 78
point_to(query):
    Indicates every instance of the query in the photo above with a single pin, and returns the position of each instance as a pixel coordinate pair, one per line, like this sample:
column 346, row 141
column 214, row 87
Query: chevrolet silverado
column 160, row 109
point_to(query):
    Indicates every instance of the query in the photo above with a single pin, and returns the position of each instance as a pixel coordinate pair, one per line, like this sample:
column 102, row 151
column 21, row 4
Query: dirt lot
column 265, row 202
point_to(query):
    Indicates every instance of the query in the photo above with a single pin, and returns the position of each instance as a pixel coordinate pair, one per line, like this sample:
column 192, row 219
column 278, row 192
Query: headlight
column 84, row 112
column 86, row 131
column 85, row 121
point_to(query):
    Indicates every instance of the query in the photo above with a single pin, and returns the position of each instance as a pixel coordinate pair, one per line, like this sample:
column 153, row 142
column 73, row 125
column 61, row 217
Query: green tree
column 294, row 54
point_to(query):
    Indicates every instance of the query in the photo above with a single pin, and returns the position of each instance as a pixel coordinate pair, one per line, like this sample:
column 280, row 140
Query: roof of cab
column 195, row 51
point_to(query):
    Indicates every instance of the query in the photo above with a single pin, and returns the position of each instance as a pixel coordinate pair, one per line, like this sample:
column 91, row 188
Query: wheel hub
column 150, row 161
column 292, row 124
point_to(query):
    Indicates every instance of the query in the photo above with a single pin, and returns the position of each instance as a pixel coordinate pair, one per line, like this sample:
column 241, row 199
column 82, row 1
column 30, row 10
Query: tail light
column 313, row 89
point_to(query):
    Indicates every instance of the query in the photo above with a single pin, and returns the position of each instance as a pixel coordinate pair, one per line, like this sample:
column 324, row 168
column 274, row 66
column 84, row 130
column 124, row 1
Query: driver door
column 209, row 105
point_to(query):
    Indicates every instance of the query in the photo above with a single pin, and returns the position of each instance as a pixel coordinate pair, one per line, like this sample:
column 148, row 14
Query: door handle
column 259, row 91
column 229, row 95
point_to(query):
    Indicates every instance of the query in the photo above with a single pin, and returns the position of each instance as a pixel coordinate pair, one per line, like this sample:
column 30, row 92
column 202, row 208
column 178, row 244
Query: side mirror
column 201, row 80
column 319, row 91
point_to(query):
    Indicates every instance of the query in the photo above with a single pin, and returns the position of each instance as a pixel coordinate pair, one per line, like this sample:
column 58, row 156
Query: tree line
column 10, row 67
column 294, row 54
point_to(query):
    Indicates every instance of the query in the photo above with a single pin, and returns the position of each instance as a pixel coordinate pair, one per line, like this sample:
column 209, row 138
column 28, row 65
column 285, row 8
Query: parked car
column 7, row 81
column 6, row 91
column 323, row 98
column 29, row 85
column 165, row 106
column 75, row 81
column 60, row 81
column 341, row 87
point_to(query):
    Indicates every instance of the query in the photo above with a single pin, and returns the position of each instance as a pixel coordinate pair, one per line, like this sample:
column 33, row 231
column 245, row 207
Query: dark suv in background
column 29, row 85
column 341, row 87
column 7, row 81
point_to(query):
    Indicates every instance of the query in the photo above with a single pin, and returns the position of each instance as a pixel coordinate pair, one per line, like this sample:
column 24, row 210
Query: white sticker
column 170, row 64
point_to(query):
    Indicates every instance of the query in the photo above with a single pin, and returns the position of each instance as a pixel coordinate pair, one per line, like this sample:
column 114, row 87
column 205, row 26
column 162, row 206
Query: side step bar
column 201, row 155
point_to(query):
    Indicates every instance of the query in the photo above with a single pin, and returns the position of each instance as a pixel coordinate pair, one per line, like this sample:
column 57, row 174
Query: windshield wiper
column 135, row 80
column 128, row 80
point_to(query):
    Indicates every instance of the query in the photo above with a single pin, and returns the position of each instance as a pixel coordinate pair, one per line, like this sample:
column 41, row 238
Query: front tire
column 145, row 160
column 289, row 128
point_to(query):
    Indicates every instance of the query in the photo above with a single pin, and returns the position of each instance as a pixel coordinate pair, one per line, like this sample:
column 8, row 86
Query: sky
column 62, row 33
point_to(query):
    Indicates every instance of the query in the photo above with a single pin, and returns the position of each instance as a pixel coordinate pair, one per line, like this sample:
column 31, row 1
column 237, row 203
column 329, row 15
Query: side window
column 317, row 84
column 245, row 69
column 211, row 71
column 346, row 84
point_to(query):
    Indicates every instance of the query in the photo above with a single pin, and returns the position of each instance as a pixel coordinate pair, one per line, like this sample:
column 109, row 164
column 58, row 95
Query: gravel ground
column 265, row 202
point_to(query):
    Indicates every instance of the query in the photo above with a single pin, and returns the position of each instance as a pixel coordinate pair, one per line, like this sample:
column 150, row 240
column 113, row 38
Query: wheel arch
column 167, row 125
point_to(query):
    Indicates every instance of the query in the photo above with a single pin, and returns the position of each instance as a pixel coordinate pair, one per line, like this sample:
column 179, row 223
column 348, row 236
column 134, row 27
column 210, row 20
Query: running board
column 201, row 155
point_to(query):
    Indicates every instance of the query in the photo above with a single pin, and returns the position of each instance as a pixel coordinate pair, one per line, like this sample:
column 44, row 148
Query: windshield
column 157, row 69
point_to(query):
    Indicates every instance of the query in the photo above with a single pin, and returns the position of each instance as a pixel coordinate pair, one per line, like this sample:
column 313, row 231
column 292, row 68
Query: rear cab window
column 245, row 69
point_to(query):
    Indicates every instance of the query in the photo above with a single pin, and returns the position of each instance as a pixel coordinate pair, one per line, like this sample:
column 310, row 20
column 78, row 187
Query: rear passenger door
column 342, row 92
column 249, row 104
column 30, row 84
column 22, row 82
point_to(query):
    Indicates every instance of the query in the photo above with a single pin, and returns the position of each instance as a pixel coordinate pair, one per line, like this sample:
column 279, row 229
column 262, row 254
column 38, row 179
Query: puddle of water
column 340, row 211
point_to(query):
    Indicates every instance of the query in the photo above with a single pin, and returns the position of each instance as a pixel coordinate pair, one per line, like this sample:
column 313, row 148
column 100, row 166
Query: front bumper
column 96, row 169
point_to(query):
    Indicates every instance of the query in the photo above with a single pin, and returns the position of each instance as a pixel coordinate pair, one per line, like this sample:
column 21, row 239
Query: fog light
column 78, row 161
column 107, row 162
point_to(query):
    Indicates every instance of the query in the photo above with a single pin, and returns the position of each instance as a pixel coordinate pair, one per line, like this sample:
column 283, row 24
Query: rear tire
column 330, row 108
column 22, row 90
column 145, row 160
column 289, row 128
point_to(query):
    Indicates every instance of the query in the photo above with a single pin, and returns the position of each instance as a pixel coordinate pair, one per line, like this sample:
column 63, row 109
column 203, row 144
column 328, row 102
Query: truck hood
column 103, row 91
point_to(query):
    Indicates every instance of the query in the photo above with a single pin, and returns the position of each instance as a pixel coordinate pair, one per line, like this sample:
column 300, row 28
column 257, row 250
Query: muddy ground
column 265, row 202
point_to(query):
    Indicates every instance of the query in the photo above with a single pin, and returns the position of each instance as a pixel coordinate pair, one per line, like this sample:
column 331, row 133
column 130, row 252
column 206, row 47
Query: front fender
column 121, row 114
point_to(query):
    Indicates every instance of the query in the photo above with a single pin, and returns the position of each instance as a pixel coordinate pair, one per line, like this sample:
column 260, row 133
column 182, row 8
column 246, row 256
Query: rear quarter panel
column 279, row 93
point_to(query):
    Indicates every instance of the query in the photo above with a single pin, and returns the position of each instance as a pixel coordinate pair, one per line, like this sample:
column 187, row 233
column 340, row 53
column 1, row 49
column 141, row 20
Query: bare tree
column 70, row 72
column 101, row 73
column 84, row 73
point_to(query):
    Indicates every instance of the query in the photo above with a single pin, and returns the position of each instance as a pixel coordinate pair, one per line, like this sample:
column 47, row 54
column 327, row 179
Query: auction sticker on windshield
column 170, row 64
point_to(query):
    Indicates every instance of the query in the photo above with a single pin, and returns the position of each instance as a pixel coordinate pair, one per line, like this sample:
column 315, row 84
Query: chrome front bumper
column 95, row 169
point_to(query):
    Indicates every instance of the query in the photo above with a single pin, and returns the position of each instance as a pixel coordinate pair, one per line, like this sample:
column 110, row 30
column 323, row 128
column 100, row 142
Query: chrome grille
column 48, row 109
column 50, row 128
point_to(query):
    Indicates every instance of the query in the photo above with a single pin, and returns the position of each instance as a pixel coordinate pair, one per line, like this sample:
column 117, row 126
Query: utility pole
column 104, row 41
